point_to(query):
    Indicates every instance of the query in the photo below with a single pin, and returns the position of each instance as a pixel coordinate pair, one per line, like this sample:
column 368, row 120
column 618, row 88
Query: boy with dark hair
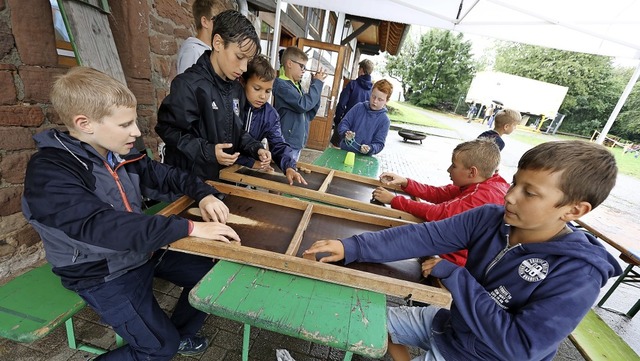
column 529, row 279
column 505, row 122
column 296, row 108
column 474, row 182
column 193, row 47
column 201, row 120
column 357, row 91
column 364, row 129
column 263, row 120
column 83, row 192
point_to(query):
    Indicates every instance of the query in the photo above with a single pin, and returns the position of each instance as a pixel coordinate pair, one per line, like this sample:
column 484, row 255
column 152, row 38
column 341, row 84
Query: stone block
column 16, row 138
column 32, row 27
column 6, row 39
column 11, row 223
column 174, row 11
column 21, row 115
column 26, row 237
column 129, row 22
column 163, row 44
column 162, row 64
column 8, row 93
column 37, row 82
column 10, row 200
column 13, row 166
column 142, row 89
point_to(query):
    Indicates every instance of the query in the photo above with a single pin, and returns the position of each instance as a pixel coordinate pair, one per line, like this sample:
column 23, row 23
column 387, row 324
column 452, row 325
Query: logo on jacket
column 502, row 296
column 236, row 106
column 533, row 269
column 214, row 106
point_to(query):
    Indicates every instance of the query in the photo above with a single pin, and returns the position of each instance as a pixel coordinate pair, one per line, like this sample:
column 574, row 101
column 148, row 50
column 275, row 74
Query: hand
column 334, row 247
column 223, row 158
column 364, row 149
column 393, row 179
column 383, row 195
column 258, row 165
column 349, row 135
column 215, row 231
column 265, row 157
column 292, row 175
column 213, row 210
column 321, row 74
column 428, row 264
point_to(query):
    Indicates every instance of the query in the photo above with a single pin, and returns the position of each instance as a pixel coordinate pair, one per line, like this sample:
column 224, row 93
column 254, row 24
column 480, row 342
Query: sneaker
column 193, row 345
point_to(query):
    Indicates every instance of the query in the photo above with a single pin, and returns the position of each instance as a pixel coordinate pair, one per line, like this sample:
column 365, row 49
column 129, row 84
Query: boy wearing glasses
column 296, row 108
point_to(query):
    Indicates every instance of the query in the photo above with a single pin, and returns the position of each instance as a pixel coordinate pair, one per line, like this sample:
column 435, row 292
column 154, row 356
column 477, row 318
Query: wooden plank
column 243, row 175
column 92, row 38
column 622, row 237
column 596, row 341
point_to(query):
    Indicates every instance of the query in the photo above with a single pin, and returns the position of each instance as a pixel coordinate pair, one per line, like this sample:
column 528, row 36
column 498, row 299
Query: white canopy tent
column 609, row 27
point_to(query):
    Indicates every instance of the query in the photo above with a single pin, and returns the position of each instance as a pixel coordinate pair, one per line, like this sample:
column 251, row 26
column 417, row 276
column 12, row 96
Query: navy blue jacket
column 492, row 134
column 201, row 111
column 264, row 122
column 371, row 128
column 88, row 213
column 357, row 91
column 509, row 302
column 296, row 109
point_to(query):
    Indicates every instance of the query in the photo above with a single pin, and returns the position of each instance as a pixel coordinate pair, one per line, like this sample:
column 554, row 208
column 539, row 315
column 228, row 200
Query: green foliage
column 594, row 86
column 436, row 71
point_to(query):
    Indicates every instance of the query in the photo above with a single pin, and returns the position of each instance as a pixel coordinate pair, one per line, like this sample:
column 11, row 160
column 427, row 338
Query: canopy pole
column 275, row 45
column 621, row 101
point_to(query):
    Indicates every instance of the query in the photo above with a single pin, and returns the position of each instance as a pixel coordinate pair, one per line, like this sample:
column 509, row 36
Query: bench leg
column 71, row 340
column 245, row 342
column 348, row 355
column 615, row 285
column 632, row 312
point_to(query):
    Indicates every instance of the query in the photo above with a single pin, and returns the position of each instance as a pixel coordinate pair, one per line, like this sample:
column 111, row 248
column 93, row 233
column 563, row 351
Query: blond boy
column 505, row 122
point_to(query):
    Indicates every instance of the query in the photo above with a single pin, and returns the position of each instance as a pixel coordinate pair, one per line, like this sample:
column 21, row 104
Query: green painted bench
column 596, row 341
column 35, row 303
column 321, row 312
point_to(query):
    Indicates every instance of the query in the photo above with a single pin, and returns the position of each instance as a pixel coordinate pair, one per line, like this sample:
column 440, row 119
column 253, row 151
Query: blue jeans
column 411, row 326
column 127, row 304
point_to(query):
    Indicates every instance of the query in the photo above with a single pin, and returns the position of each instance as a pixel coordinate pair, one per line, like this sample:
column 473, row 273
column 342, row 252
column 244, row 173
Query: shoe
column 193, row 345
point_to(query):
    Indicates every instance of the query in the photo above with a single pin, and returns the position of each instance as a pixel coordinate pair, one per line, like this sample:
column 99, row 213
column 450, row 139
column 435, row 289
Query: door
column 330, row 57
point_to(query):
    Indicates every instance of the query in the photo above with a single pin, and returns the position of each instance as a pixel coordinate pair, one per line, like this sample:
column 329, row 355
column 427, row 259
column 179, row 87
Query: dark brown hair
column 260, row 67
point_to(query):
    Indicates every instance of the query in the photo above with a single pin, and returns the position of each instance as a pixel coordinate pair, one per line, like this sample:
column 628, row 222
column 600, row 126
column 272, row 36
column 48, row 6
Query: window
column 331, row 28
column 315, row 18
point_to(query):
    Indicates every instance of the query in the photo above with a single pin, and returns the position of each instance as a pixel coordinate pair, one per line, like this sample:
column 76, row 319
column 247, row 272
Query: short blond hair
column 367, row 66
column 482, row 153
column 505, row 117
column 89, row 92
column 294, row 53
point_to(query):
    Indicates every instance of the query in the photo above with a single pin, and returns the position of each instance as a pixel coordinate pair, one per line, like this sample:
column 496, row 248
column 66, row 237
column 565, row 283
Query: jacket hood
column 367, row 106
column 53, row 138
column 365, row 81
column 204, row 69
column 580, row 245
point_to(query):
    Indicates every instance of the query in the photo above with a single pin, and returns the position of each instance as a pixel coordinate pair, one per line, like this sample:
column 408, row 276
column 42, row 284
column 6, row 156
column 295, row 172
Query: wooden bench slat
column 595, row 340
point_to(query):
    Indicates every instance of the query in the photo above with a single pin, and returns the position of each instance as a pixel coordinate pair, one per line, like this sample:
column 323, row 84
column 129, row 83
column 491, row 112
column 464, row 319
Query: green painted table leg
column 245, row 342
column 348, row 355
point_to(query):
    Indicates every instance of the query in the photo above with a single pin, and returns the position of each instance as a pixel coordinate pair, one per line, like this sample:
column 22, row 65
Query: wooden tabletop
column 619, row 233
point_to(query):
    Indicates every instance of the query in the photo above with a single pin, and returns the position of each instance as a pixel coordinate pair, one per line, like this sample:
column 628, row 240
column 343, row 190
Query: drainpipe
column 243, row 7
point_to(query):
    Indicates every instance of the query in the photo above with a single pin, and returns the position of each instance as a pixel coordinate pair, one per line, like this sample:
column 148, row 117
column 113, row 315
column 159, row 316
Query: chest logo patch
column 236, row 106
column 533, row 269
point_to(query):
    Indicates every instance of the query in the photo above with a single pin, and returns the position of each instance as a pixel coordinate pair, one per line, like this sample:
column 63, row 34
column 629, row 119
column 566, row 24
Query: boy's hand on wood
column 389, row 178
column 364, row 149
column 321, row 74
column 382, row 195
column 428, row 264
column 215, row 231
column 224, row 158
column 333, row 247
column 293, row 175
column 265, row 157
column 213, row 210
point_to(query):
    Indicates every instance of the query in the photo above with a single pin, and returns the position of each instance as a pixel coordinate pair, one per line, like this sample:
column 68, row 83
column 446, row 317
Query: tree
column 398, row 66
column 592, row 82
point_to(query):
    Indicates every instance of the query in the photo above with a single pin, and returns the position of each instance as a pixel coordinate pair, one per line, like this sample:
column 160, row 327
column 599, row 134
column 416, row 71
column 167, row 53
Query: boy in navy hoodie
column 529, row 278
column 83, row 192
column 263, row 120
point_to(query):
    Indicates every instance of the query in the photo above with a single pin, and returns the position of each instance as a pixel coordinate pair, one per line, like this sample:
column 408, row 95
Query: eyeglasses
column 303, row 67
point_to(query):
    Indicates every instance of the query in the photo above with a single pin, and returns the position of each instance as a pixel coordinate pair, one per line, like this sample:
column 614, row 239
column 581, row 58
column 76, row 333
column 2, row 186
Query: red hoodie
column 446, row 201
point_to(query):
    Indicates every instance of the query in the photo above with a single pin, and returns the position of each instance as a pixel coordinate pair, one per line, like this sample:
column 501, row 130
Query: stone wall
column 147, row 34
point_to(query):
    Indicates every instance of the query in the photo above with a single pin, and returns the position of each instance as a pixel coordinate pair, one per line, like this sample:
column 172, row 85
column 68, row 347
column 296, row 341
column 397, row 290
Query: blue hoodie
column 296, row 108
column 509, row 303
column 264, row 122
column 371, row 128
column 357, row 91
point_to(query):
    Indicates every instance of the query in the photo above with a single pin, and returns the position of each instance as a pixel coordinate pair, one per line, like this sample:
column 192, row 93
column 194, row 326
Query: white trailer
column 522, row 94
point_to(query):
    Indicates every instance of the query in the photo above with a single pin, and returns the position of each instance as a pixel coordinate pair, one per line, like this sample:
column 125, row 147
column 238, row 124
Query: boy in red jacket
column 474, row 183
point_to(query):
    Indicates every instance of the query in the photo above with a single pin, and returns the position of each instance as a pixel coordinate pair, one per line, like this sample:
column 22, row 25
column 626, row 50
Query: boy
column 296, row 108
column 200, row 121
column 364, row 128
column 193, row 47
column 505, row 122
column 474, row 183
column 529, row 279
column 83, row 193
column 262, row 118
column 357, row 91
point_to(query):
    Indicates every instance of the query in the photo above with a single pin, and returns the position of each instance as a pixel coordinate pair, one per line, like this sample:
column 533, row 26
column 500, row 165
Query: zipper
column 499, row 256
column 115, row 176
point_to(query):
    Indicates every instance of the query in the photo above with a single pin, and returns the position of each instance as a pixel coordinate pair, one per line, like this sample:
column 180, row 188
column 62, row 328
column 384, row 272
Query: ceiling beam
column 367, row 23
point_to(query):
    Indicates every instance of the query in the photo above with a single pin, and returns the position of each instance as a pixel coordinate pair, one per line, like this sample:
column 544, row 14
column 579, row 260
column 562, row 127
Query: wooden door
column 330, row 57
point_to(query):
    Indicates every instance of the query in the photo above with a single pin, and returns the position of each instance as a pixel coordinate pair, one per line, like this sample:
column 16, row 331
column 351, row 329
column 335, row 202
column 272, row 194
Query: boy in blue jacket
column 364, row 128
column 529, row 278
column 296, row 108
column 200, row 120
column 83, row 192
column 263, row 120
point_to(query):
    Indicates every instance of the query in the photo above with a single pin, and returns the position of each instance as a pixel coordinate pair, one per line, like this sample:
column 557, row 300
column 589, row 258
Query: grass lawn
column 409, row 114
